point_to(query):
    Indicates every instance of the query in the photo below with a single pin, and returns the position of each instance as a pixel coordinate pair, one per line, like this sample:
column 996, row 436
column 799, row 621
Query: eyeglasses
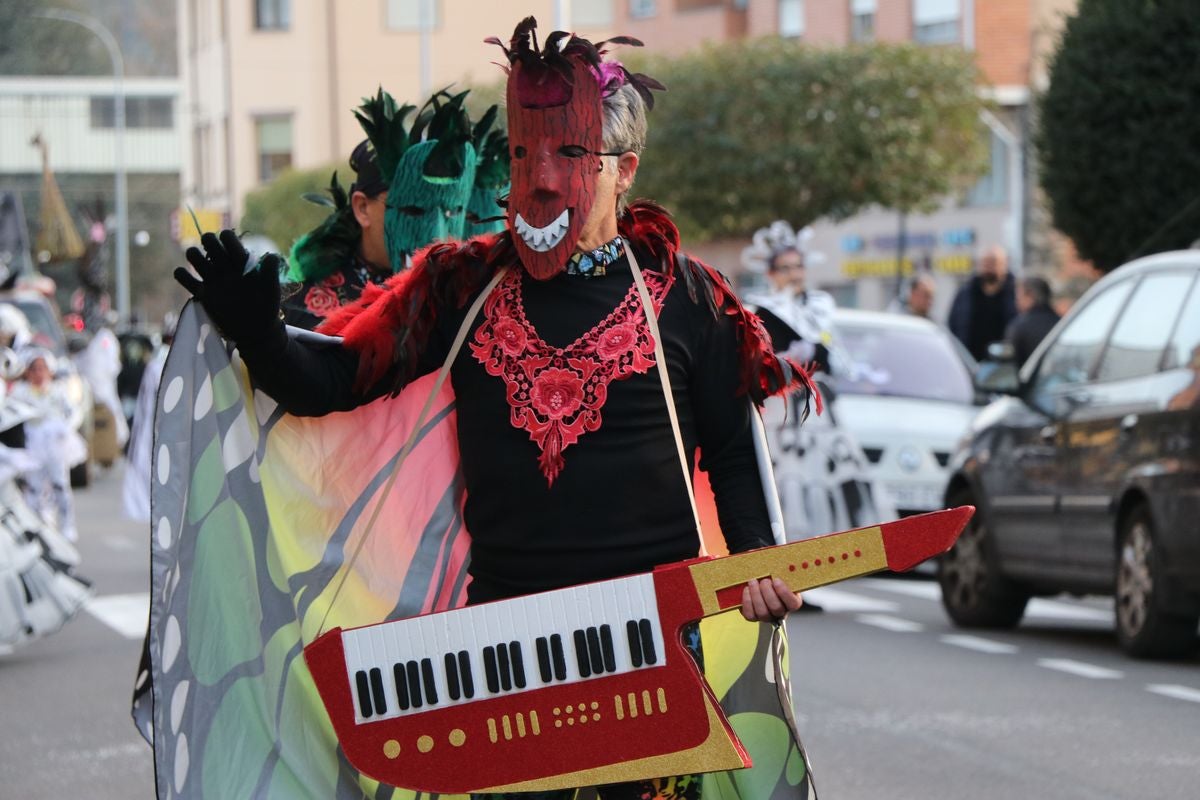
column 571, row 151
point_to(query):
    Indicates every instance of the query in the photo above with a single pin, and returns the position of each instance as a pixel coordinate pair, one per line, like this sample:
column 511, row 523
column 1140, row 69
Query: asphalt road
column 893, row 702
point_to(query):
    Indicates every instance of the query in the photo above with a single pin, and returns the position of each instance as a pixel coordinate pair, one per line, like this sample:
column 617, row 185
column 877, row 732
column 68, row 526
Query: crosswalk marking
column 1175, row 691
column 1080, row 668
column 1038, row 607
column 979, row 644
column 895, row 624
column 127, row 614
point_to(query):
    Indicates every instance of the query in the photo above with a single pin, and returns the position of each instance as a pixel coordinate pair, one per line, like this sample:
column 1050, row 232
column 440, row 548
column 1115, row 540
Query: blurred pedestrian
column 51, row 438
column 985, row 304
column 99, row 362
column 799, row 320
column 821, row 473
column 1035, row 319
column 919, row 300
column 135, row 491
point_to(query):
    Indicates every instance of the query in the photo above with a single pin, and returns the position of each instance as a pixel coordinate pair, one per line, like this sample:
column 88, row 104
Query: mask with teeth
column 555, row 126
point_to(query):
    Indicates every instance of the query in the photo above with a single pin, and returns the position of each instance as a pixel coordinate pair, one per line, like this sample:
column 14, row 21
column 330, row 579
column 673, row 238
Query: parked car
column 1086, row 476
column 904, row 391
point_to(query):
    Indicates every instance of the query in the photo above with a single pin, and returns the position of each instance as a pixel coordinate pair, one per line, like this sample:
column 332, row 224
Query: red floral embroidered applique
column 556, row 393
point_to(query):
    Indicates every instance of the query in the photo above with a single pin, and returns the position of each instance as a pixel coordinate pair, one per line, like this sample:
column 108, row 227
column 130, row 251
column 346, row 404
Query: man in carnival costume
column 799, row 320
column 330, row 265
column 574, row 469
column 821, row 472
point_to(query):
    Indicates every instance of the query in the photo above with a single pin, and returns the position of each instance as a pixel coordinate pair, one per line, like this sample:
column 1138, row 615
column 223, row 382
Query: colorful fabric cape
column 255, row 515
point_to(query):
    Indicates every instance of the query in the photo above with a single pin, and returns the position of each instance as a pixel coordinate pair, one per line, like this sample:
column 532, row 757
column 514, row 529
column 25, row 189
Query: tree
column 33, row 46
column 144, row 29
column 754, row 131
column 279, row 211
column 1119, row 127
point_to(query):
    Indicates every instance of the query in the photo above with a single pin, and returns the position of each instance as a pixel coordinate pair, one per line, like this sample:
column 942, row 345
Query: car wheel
column 1144, row 628
column 974, row 593
column 80, row 476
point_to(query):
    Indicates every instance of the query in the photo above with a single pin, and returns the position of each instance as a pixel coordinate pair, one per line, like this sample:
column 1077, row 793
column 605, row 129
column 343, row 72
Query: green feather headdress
column 330, row 245
column 385, row 122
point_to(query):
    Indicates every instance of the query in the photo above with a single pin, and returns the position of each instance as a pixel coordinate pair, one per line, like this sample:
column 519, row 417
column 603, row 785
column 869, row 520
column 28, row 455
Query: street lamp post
column 121, row 189
column 425, row 20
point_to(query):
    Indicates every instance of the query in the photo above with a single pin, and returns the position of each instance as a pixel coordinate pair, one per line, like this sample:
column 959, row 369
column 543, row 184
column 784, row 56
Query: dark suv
column 1087, row 474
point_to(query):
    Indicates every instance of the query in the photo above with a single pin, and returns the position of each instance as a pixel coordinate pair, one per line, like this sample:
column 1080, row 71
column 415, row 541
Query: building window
column 992, row 188
column 272, row 15
column 140, row 112
column 274, row 135
column 937, row 21
column 862, row 20
column 406, row 15
column 592, row 14
column 791, row 19
column 640, row 9
column 692, row 5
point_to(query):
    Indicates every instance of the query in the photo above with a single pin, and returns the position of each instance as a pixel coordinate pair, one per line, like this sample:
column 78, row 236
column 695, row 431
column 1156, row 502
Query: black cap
column 367, row 177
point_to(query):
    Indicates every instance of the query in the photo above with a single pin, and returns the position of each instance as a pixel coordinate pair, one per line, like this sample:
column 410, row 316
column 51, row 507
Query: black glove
column 242, row 299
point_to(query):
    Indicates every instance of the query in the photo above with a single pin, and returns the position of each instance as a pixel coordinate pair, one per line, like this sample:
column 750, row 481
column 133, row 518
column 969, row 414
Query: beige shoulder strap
column 665, row 379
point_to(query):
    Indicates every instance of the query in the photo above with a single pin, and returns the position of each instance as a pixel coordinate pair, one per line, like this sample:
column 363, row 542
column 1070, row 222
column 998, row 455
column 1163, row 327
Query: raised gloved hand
column 242, row 299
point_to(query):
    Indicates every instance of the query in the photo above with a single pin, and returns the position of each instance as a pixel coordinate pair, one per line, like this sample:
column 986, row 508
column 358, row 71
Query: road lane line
column 127, row 614
column 1038, row 607
column 926, row 590
column 1175, row 691
column 1080, row 668
column 838, row 600
column 895, row 624
column 979, row 644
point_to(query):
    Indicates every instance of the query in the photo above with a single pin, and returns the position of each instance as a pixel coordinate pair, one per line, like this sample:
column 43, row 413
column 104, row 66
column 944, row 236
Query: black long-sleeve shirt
column 619, row 505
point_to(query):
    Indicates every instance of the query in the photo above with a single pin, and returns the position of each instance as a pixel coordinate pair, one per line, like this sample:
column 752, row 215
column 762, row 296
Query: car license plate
column 915, row 498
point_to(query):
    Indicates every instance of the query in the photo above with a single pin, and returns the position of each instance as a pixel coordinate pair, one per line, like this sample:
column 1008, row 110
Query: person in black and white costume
column 820, row 469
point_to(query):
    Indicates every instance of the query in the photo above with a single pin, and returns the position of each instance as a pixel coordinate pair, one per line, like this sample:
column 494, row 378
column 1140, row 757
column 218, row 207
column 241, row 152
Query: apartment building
column 1012, row 40
column 73, row 121
column 271, row 84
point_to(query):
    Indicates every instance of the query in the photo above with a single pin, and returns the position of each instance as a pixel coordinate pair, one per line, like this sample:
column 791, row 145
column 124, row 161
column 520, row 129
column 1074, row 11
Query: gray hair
column 624, row 127
column 1037, row 288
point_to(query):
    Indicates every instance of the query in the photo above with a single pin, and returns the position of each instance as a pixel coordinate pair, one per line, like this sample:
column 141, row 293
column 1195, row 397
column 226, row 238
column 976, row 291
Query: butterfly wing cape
column 256, row 516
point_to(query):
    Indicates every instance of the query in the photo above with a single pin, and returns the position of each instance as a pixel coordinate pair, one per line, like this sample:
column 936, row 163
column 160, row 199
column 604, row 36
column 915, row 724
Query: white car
column 903, row 389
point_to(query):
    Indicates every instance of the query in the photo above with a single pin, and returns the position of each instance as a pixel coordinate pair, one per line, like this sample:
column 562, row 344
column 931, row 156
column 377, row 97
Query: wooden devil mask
column 555, row 130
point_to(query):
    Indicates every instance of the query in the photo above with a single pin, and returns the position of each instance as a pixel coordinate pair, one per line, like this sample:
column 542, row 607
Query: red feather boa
column 390, row 325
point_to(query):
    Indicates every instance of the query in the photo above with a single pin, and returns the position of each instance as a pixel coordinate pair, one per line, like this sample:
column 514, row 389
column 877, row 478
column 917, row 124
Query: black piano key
column 581, row 654
column 401, row 681
column 518, row 664
column 364, row 693
column 597, row 659
column 377, row 690
column 606, row 647
column 464, row 669
column 452, row 676
column 414, row 683
column 431, row 695
column 504, row 667
column 543, row 656
column 647, row 641
column 489, row 670
column 560, row 660
column 635, row 642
